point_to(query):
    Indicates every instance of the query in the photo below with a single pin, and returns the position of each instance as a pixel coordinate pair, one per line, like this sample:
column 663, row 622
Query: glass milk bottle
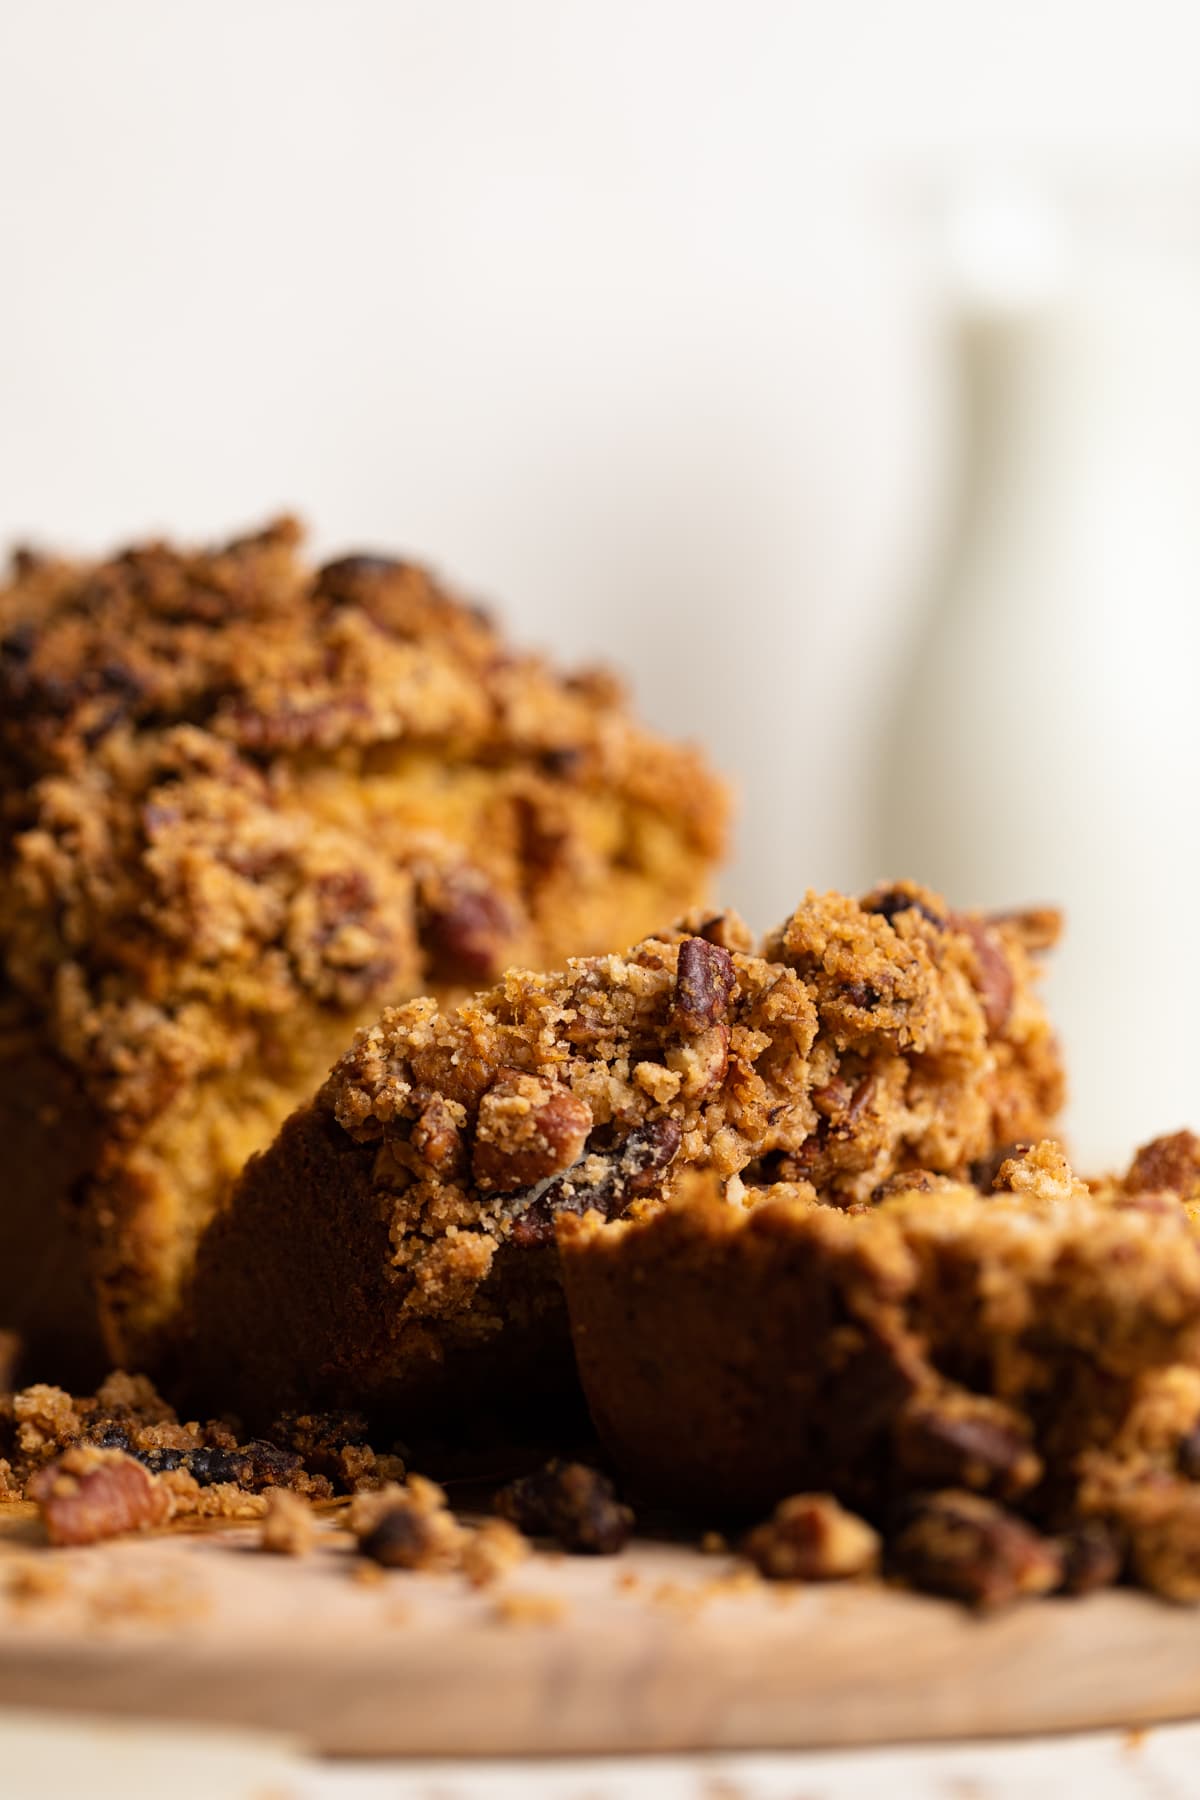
column 1046, row 743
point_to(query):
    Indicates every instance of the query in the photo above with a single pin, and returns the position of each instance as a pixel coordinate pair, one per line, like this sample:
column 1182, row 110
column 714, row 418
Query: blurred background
column 835, row 371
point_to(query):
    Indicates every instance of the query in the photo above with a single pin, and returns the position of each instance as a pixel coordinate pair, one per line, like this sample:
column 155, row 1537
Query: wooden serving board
column 657, row 1649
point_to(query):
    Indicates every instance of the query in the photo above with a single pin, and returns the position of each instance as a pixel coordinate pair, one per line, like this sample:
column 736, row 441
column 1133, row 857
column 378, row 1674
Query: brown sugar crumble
column 120, row 1460
column 288, row 1527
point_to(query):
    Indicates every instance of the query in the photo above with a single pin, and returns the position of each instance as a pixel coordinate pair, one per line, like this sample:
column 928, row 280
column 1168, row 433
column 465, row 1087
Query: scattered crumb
column 408, row 1527
column 146, row 1599
column 491, row 1551
column 30, row 1580
column 714, row 1543
column 367, row 1574
column 628, row 1579
column 288, row 1528
column 529, row 1609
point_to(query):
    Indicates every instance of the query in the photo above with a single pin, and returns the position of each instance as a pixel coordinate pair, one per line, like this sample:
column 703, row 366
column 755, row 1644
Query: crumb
column 529, row 1609
column 713, row 1543
column 491, row 1551
column 31, row 1580
column 288, row 1528
column 408, row 1527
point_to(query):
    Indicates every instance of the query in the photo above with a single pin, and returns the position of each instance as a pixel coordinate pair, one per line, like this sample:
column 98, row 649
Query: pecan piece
column 967, row 1440
column 528, row 1130
column 436, row 1137
column 289, row 1527
column 704, row 985
column 88, row 1494
column 464, row 928
column 971, row 1549
column 571, row 1503
column 811, row 1538
column 607, row 1181
column 995, row 982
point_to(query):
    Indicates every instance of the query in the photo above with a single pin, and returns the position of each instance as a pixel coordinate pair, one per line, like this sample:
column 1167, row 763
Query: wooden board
column 652, row 1650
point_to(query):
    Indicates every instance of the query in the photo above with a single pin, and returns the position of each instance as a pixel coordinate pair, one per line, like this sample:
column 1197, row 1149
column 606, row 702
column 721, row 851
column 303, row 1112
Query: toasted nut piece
column 809, row 1537
column 704, row 982
column 88, row 1494
column 996, row 983
column 971, row 1549
column 528, row 1130
column 967, row 1440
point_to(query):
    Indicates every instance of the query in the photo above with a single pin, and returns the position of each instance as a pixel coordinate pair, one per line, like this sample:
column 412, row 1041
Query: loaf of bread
column 244, row 804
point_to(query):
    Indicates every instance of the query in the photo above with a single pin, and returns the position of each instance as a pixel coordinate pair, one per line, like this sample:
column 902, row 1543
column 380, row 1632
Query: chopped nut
column 465, row 927
column 811, row 1538
column 996, row 982
column 528, row 1130
column 700, row 1062
column 607, row 1182
column 437, row 1139
column 704, row 983
column 571, row 1503
column 288, row 1528
column 490, row 1551
column 89, row 1494
column 959, row 1439
column 971, row 1549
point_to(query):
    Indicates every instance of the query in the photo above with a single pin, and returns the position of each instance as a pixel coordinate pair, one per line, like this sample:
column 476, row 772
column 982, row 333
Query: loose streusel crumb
column 34, row 1580
column 491, row 1551
column 408, row 1527
column 288, row 1528
column 529, row 1609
